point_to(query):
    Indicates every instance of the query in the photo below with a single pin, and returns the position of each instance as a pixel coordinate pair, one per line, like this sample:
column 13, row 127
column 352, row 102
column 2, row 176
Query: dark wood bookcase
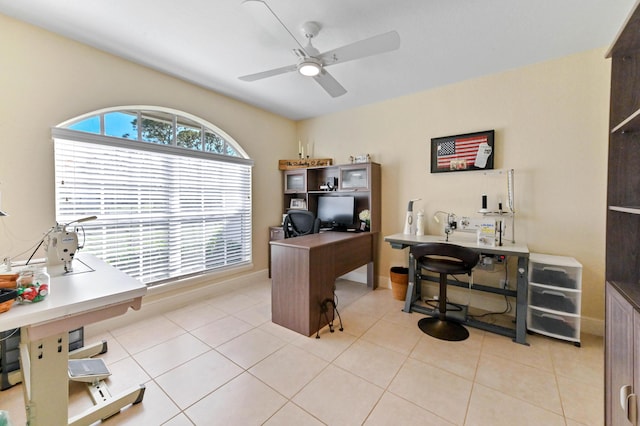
column 360, row 180
column 622, row 289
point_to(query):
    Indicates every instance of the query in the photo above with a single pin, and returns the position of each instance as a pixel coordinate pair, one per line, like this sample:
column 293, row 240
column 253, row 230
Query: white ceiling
column 213, row 42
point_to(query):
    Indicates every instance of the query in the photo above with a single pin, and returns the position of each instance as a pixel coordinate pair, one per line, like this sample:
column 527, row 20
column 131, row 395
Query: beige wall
column 550, row 121
column 551, row 127
column 46, row 79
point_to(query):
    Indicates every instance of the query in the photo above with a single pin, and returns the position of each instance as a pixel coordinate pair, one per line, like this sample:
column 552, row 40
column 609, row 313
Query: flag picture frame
column 464, row 152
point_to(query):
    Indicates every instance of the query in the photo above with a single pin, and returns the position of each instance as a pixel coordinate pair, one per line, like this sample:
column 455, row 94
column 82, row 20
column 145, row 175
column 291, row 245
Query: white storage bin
column 558, row 271
column 554, row 298
column 554, row 324
column 555, row 293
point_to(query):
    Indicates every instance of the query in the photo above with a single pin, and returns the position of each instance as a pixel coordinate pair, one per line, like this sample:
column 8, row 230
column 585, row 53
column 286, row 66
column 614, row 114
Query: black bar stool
column 444, row 259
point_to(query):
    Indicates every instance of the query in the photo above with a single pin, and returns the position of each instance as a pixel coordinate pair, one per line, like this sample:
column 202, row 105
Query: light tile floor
column 222, row 361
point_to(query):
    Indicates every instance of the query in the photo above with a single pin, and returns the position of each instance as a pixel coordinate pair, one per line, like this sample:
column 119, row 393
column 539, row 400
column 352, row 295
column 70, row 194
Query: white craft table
column 93, row 292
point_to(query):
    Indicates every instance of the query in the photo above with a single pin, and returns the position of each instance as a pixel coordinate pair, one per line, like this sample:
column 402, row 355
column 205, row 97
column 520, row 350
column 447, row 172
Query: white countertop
column 92, row 286
column 507, row 246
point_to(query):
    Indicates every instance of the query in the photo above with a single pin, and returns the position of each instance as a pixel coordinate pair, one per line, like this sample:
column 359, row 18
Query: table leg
column 521, row 300
column 411, row 288
column 45, row 359
column 371, row 276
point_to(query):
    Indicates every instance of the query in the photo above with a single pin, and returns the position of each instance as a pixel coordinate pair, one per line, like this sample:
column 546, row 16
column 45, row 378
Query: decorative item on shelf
column 330, row 185
column 303, row 163
column 365, row 220
column 301, row 153
column 298, row 203
column 360, row 158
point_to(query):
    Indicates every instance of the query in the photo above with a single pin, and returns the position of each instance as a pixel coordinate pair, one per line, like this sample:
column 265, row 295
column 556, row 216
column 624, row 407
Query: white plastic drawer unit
column 554, row 324
column 554, row 298
column 555, row 292
column 557, row 271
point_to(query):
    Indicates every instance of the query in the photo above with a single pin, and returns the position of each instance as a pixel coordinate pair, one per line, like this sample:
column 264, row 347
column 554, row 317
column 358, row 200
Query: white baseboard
column 592, row 326
column 176, row 296
column 359, row 275
column 183, row 294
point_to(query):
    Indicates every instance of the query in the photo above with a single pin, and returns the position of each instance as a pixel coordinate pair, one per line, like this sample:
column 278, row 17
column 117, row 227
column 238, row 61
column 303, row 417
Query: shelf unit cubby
column 362, row 181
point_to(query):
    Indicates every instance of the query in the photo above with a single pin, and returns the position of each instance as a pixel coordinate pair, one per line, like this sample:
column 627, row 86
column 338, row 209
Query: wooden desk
column 94, row 291
column 304, row 271
column 521, row 251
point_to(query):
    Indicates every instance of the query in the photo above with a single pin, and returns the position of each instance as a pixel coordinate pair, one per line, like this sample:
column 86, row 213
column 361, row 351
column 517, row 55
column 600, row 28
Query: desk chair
column 300, row 222
column 443, row 259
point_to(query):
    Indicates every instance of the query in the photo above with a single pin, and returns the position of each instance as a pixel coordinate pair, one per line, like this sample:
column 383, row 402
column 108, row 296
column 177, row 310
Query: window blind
column 160, row 215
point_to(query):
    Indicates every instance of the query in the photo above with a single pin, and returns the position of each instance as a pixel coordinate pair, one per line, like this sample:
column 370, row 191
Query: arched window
column 171, row 192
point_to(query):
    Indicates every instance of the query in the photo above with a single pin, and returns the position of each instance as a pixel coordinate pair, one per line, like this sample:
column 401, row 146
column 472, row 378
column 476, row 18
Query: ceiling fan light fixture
column 310, row 67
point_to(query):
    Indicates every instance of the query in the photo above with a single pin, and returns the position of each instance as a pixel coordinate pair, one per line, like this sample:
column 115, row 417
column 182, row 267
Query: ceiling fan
column 312, row 63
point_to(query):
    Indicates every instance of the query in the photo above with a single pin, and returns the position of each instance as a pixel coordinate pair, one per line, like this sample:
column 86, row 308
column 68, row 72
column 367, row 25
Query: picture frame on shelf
column 298, row 203
column 360, row 158
column 465, row 152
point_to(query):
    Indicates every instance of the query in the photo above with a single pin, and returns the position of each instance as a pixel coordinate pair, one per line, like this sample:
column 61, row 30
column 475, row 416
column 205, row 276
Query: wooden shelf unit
column 360, row 180
column 622, row 289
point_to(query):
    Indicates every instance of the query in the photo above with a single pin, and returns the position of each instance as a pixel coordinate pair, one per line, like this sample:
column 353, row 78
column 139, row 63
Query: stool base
column 443, row 330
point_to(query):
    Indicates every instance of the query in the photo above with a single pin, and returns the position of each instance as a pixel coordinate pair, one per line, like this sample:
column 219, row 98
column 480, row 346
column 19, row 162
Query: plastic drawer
column 10, row 339
column 554, row 324
column 10, row 354
column 12, row 359
column 554, row 298
column 556, row 271
column 76, row 339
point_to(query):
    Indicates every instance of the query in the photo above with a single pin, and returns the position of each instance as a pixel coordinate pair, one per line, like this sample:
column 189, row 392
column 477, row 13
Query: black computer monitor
column 337, row 212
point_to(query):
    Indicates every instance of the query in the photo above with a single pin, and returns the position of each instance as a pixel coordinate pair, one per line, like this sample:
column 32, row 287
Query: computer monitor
column 336, row 211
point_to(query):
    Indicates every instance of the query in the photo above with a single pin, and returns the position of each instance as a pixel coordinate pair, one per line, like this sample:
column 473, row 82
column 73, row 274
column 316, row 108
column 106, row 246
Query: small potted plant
column 365, row 220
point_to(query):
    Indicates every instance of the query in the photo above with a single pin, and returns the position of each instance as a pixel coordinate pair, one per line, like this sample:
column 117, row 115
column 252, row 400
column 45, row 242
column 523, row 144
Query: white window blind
column 161, row 215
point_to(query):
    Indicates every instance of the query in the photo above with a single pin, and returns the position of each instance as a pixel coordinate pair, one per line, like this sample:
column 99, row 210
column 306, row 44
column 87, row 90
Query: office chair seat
column 300, row 222
column 444, row 259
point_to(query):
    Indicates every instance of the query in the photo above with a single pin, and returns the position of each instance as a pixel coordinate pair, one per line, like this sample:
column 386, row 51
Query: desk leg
column 47, row 360
column 521, row 300
column 370, row 276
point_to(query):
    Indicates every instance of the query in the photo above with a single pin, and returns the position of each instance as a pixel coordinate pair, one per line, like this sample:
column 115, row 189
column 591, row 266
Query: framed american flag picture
column 471, row 151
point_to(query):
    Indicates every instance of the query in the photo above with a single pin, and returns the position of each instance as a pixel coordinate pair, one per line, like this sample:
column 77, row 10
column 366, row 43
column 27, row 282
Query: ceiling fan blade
column 265, row 17
column 360, row 49
column 330, row 84
column 270, row 73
